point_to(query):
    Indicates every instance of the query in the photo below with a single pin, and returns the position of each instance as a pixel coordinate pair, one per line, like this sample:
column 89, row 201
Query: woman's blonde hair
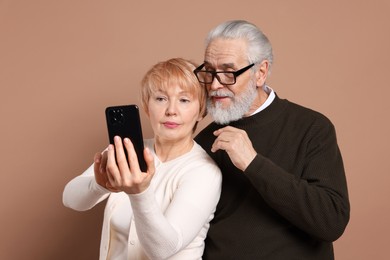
column 173, row 72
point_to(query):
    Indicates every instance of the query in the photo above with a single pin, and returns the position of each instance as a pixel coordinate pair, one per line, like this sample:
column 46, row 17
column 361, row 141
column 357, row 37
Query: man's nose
column 215, row 84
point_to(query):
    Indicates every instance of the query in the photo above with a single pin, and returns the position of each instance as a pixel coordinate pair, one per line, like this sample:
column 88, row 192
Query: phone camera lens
column 116, row 116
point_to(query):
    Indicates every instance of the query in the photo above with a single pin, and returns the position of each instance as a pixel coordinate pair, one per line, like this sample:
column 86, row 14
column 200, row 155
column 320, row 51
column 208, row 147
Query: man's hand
column 237, row 145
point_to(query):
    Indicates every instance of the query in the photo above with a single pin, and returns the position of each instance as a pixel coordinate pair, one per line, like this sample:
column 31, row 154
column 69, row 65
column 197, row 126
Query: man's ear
column 262, row 73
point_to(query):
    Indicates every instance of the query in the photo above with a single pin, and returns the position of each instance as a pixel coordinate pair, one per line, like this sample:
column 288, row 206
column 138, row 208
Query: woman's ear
column 146, row 110
column 202, row 114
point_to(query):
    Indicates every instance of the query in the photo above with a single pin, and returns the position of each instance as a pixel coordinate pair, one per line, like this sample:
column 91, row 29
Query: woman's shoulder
column 201, row 159
column 201, row 153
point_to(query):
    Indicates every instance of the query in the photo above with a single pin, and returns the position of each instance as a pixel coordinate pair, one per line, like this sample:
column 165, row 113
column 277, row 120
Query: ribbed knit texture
column 292, row 200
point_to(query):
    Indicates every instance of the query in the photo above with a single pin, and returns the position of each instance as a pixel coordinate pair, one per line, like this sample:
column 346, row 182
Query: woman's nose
column 171, row 109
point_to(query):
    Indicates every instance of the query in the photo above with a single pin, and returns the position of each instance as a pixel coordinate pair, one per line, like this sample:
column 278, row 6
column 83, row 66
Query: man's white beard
column 239, row 106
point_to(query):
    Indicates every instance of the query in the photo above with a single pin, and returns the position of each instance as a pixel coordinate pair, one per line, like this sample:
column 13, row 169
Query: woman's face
column 173, row 114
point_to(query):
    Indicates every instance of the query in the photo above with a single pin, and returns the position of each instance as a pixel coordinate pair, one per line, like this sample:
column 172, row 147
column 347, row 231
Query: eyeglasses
column 224, row 77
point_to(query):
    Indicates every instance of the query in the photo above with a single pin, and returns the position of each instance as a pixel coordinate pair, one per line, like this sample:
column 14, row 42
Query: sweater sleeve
column 317, row 200
column 163, row 234
column 83, row 193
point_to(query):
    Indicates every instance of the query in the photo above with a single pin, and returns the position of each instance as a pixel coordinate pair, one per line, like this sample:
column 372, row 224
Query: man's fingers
column 219, row 145
column 225, row 130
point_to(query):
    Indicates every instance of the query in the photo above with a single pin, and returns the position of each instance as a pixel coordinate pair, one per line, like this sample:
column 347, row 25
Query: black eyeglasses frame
column 215, row 74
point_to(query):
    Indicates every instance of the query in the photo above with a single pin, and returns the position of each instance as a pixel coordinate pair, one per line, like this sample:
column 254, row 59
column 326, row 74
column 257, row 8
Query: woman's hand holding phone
column 121, row 176
column 100, row 163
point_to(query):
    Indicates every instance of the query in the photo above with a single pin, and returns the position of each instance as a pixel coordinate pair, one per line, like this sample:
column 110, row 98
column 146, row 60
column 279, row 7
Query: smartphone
column 124, row 121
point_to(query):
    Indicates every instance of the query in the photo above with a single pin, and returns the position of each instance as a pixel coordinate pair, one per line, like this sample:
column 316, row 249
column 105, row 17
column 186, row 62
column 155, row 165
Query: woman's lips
column 170, row 124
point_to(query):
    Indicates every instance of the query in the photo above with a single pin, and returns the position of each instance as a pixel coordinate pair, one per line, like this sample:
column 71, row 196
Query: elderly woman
column 163, row 213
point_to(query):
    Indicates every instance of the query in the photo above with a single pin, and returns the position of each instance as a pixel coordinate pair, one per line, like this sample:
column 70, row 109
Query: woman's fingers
column 149, row 161
column 97, row 162
column 123, row 177
column 131, row 156
column 112, row 168
column 100, row 176
column 121, row 159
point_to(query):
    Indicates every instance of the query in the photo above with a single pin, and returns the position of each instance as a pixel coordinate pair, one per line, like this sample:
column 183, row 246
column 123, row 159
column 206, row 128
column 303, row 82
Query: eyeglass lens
column 223, row 77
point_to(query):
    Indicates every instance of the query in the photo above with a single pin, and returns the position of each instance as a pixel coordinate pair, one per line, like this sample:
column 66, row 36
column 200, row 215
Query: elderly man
column 284, row 190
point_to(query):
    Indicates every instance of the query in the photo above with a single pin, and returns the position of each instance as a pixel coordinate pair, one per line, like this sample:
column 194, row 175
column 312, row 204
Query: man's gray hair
column 259, row 47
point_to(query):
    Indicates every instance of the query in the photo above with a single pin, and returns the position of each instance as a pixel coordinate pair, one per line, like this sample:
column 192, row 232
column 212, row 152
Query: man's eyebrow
column 223, row 66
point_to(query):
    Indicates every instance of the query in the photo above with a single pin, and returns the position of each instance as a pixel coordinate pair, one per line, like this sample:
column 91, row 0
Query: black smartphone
column 124, row 121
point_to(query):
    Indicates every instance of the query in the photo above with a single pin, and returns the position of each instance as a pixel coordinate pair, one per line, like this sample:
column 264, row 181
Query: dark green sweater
column 292, row 200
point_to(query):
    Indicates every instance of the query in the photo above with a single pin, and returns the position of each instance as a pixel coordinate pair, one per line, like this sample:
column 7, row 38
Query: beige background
column 63, row 62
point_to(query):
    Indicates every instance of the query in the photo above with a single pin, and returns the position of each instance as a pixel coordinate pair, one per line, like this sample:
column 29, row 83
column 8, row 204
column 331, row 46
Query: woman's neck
column 166, row 150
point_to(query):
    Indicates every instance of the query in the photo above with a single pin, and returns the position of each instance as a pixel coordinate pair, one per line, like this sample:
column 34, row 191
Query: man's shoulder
column 205, row 137
column 207, row 132
column 305, row 113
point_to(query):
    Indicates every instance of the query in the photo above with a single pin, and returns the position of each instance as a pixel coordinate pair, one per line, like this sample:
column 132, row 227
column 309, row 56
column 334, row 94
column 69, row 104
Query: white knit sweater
column 169, row 220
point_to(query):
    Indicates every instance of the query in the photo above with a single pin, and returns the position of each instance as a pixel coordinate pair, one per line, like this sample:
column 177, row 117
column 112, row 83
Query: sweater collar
column 270, row 98
column 268, row 114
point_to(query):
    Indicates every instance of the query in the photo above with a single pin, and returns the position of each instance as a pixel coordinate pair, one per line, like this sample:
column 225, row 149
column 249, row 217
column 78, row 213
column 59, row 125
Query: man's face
column 229, row 102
